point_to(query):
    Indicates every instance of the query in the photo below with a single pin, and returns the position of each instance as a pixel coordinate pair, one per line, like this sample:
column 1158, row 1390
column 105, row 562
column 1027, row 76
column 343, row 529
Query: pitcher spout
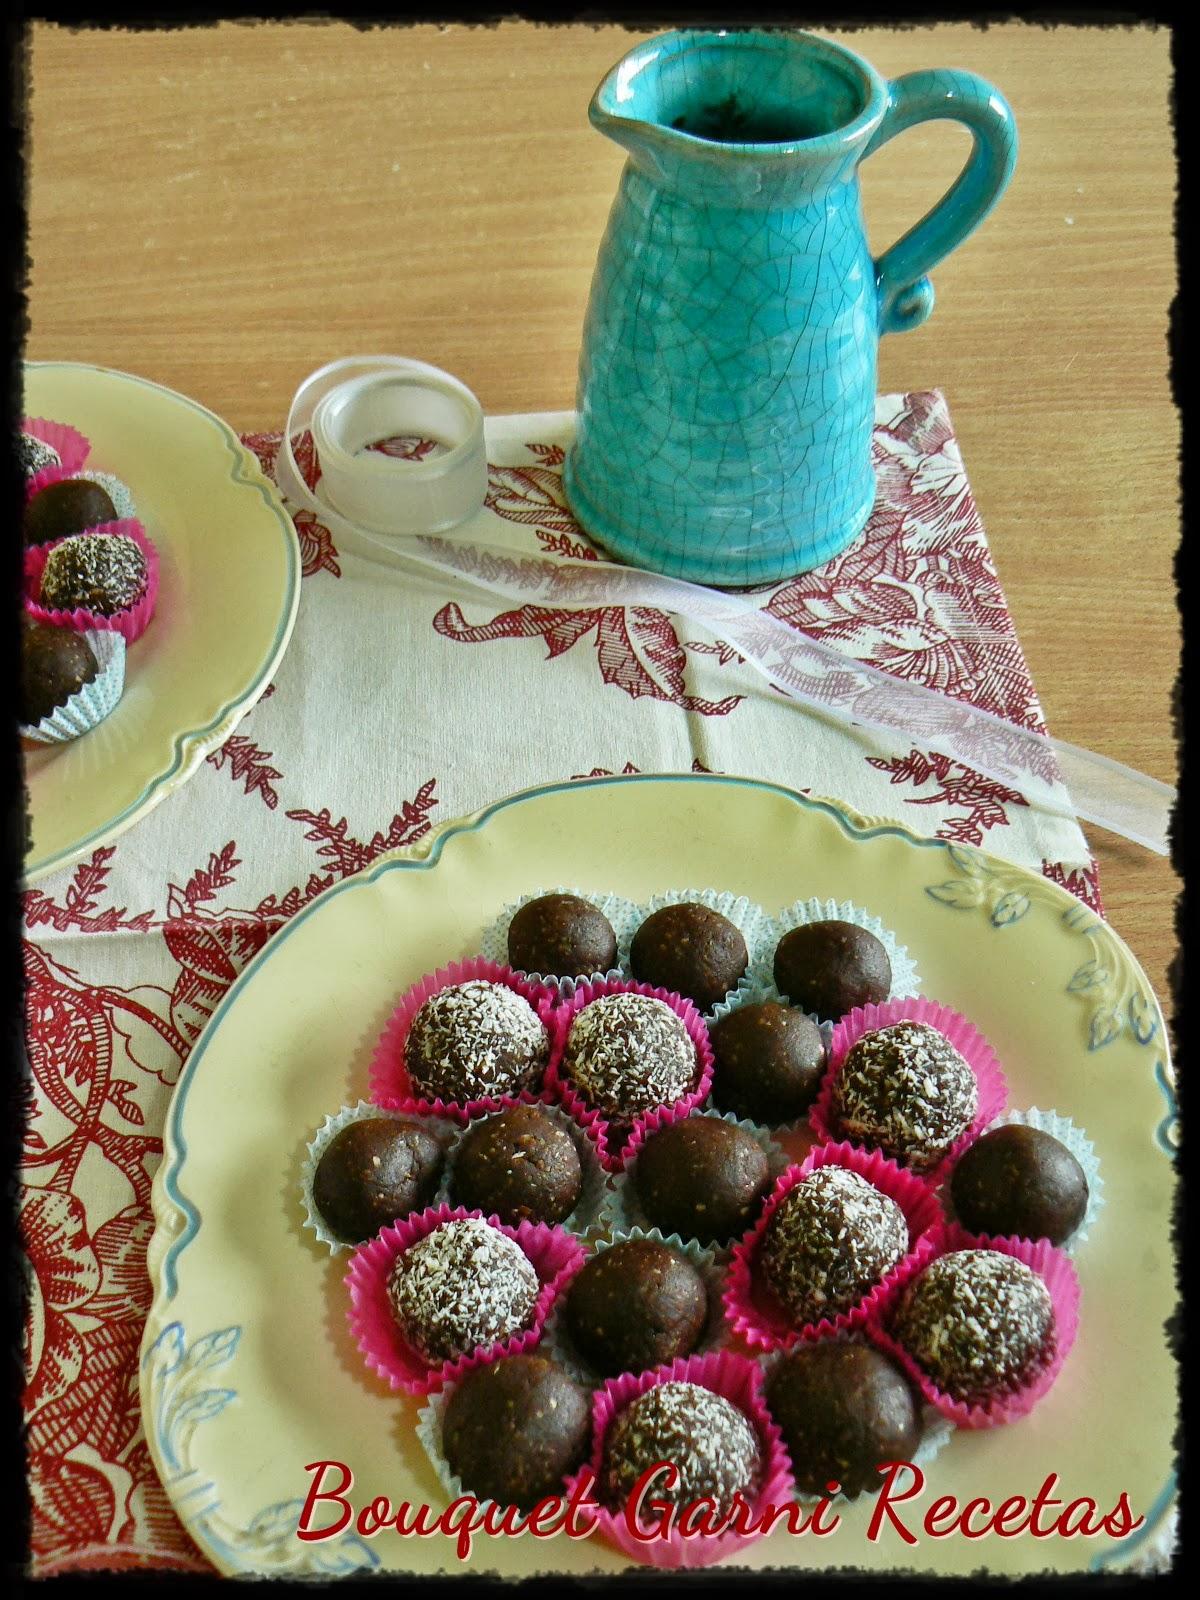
column 746, row 111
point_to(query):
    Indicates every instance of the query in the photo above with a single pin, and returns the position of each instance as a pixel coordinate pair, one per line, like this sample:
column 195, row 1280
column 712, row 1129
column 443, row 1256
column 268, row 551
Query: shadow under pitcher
column 727, row 376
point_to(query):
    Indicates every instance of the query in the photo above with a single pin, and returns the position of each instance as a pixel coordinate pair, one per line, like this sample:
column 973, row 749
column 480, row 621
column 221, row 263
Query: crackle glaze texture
column 727, row 373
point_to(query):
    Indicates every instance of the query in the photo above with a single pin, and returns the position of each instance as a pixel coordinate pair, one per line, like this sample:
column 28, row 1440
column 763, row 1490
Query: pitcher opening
column 749, row 89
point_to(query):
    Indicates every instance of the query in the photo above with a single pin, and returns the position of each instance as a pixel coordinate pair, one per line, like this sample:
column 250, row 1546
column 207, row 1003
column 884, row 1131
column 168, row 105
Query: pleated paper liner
column 613, row 1138
column 71, row 446
column 89, row 705
column 750, row 920
column 734, row 1378
column 619, row 911
column 363, row 1111
column 557, row 1341
column 906, row 980
column 622, row 1207
column 1054, row 1268
column 390, row 1084
column 756, row 992
column 132, row 622
column 990, row 1081
column 585, row 1214
column 936, row 1431
column 754, row 1314
column 1080, row 1146
column 552, row 1252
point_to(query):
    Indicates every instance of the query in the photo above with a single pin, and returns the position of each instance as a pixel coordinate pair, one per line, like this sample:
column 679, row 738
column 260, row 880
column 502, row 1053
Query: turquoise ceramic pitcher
column 727, row 375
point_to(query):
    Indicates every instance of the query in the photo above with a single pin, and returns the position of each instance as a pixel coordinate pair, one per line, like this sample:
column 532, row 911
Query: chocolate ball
column 690, row 950
column 713, row 1446
column 561, row 936
column 475, row 1040
column 372, row 1172
column 35, row 455
column 980, row 1323
column 702, row 1178
column 627, row 1053
column 905, row 1090
column 105, row 573
column 66, row 507
column 520, row 1165
column 635, row 1305
column 55, row 664
column 768, row 1062
column 1019, row 1180
column 466, row 1286
column 513, row 1429
column 828, row 968
column 831, row 1240
column 843, row 1408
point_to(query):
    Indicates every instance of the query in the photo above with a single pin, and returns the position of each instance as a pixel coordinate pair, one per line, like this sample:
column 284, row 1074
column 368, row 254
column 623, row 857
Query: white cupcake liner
column 556, row 1339
column 116, row 489
column 429, row 1431
column 752, row 992
column 90, row 705
column 750, row 919
column 586, row 1215
column 621, row 913
column 906, row 980
column 936, row 1430
column 364, row 1111
column 1080, row 1146
column 622, row 1212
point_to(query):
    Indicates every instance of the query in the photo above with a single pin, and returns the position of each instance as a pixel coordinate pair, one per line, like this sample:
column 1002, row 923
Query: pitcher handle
column 903, row 287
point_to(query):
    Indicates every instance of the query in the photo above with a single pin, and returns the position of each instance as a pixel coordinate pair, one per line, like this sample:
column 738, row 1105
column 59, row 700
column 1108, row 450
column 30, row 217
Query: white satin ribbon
column 1061, row 779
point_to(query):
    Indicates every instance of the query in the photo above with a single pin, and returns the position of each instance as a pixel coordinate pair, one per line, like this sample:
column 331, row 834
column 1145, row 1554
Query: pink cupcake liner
column 73, row 447
column 615, row 1139
column 753, row 1313
column 1054, row 1268
column 390, row 1085
column 554, row 1255
column 736, row 1379
column 963, row 1035
column 130, row 623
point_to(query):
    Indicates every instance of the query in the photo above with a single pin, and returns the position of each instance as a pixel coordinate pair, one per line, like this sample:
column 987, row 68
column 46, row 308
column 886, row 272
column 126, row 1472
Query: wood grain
column 223, row 209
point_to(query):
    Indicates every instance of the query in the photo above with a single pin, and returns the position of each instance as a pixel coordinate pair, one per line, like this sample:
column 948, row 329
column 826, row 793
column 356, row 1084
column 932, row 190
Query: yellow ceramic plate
column 248, row 1373
column 230, row 584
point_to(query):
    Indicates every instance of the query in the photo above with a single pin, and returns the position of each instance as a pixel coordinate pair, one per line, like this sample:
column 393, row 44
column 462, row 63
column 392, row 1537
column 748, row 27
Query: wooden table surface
column 224, row 209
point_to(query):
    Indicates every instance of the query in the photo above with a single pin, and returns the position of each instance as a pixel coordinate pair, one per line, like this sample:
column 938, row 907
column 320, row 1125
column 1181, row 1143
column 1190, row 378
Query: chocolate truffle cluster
column 976, row 1322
